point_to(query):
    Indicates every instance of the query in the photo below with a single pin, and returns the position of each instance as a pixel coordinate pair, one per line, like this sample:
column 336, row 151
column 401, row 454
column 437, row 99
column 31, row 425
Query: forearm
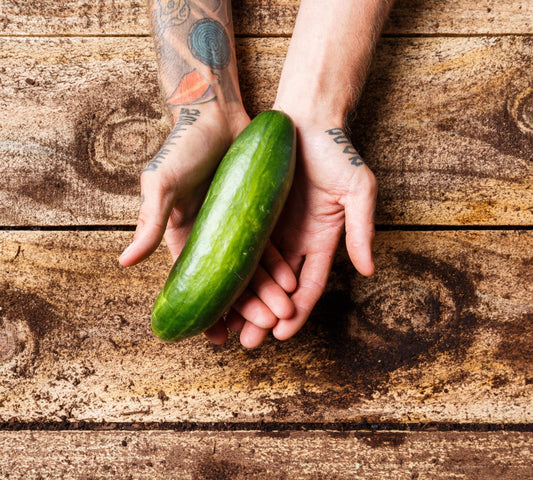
column 196, row 54
column 328, row 57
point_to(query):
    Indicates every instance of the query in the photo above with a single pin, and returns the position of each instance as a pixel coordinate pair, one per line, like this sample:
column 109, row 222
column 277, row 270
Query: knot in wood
column 404, row 312
column 521, row 111
column 124, row 141
column 17, row 345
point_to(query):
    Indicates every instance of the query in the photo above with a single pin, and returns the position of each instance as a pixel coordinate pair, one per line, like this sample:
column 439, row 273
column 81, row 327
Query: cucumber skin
column 230, row 233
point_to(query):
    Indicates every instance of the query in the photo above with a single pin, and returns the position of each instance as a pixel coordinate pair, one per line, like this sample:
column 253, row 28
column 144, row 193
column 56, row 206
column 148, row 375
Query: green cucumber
column 230, row 233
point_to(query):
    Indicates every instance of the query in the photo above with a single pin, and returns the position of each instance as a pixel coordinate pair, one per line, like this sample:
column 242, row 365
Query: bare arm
column 321, row 81
column 329, row 55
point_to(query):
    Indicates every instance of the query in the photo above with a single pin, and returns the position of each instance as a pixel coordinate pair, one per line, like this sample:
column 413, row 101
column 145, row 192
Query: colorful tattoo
column 194, row 51
column 340, row 138
column 209, row 43
column 192, row 90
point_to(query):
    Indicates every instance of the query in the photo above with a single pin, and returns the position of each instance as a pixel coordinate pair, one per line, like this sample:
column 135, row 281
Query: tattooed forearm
column 193, row 40
column 186, row 118
column 340, row 138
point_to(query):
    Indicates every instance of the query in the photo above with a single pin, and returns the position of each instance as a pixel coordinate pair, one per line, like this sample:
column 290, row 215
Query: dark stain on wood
column 503, row 115
column 51, row 189
column 516, row 347
column 115, row 140
column 214, row 468
column 384, row 439
column 427, row 312
column 24, row 320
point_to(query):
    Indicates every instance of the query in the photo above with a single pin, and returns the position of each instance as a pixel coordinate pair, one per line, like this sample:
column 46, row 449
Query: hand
column 173, row 186
column 322, row 78
column 174, row 183
column 332, row 188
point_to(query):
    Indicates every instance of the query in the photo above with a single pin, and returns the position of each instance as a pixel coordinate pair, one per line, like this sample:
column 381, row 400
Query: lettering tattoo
column 187, row 117
column 340, row 138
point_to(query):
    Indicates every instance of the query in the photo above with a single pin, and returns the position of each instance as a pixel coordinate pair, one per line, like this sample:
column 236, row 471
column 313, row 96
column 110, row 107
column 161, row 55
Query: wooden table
column 422, row 372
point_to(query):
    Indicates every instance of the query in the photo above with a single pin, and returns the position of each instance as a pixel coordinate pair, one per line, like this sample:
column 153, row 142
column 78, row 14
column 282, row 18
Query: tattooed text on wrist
column 340, row 138
column 187, row 117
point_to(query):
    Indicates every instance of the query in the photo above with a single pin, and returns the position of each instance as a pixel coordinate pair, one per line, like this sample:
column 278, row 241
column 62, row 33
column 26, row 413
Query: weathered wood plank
column 260, row 455
column 80, row 117
column 263, row 17
column 443, row 332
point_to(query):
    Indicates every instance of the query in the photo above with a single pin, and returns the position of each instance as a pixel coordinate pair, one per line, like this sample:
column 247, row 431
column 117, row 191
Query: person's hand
column 322, row 78
column 332, row 188
column 175, row 181
column 173, row 186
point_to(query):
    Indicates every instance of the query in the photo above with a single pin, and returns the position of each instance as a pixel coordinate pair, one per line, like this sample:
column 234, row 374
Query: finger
column 294, row 260
column 360, row 230
column 234, row 321
column 181, row 221
column 278, row 268
column 254, row 310
column 153, row 215
column 176, row 233
column 311, row 285
column 272, row 295
column 252, row 336
column 218, row 333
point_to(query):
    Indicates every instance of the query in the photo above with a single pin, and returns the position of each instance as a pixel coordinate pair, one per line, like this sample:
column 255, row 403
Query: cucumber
column 230, row 233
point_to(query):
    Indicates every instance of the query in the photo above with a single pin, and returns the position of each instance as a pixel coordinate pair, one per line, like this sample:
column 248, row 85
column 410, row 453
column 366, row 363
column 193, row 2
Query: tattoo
column 170, row 13
column 166, row 14
column 340, row 138
column 194, row 51
column 209, row 43
column 192, row 89
column 187, row 117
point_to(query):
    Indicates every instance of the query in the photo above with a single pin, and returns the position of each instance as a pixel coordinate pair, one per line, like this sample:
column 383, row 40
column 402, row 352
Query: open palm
column 332, row 188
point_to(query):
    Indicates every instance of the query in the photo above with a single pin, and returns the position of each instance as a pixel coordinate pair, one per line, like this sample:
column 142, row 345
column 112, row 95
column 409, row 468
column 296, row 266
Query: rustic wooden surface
column 266, row 455
column 443, row 333
column 440, row 338
column 263, row 17
column 448, row 146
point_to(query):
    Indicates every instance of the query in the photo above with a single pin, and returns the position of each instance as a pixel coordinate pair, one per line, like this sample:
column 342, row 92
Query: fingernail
column 127, row 250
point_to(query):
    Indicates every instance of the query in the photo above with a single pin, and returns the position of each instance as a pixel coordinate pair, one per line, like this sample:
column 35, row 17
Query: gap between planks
column 363, row 426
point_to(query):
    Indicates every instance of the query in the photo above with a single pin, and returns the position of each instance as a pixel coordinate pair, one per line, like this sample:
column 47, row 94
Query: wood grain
column 262, row 455
column 445, row 124
column 263, row 17
column 443, row 332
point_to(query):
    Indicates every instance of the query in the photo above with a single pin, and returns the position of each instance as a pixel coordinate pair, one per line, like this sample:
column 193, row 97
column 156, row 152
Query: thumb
column 156, row 205
column 360, row 230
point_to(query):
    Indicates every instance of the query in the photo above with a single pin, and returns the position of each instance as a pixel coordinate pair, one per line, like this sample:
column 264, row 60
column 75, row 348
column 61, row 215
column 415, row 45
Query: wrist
column 312, row 117
column 214, row 116
column 313, row 105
